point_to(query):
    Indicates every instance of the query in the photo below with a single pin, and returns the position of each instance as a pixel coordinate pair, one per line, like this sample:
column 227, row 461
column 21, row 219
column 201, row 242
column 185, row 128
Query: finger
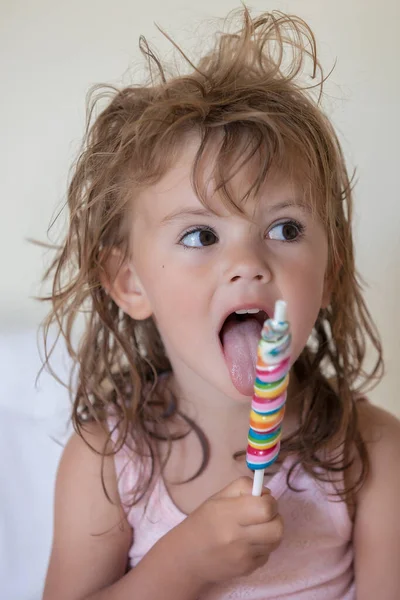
column 268, row 534
column 256, row 510
column 242, row 486
column 260, row 557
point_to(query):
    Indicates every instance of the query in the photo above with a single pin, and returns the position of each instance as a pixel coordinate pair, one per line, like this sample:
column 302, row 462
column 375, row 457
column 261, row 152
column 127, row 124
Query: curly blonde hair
column 247, row 90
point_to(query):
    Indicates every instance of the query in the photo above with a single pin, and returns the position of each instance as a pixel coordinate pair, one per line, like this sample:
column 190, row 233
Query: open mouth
column 239, row 336
column 242, row 315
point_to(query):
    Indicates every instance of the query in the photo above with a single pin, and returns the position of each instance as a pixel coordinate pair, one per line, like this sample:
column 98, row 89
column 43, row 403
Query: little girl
column 199, row 200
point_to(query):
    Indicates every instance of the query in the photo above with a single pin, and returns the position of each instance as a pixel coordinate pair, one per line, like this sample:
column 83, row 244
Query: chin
column 229, row 390
column 226, row 386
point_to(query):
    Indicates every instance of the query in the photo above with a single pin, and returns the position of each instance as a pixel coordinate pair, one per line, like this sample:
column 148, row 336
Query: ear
column 121, row 281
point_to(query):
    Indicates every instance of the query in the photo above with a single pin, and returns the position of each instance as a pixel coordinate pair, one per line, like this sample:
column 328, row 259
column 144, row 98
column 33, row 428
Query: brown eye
column 289, row 231
column 207, row 237
column 286, row 232
column 199, row 238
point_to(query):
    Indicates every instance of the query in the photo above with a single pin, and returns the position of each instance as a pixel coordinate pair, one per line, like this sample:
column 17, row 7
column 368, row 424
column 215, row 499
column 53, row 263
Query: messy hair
column 250, row 92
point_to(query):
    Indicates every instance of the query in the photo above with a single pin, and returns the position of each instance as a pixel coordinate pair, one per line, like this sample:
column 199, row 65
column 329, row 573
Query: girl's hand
column 231, row 534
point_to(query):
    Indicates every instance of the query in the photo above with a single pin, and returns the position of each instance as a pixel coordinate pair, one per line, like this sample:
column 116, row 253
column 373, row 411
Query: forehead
column 175, row 189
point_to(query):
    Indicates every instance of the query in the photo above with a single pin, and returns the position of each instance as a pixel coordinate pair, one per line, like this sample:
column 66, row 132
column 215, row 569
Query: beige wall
column 51, row 52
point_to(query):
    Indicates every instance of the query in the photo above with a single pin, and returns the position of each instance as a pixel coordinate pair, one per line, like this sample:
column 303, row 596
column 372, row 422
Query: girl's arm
column 92, row 538
column 377, row 523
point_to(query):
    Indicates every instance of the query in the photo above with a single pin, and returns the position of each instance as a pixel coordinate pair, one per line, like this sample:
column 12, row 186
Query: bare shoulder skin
column 377, row 524
column 91, row 536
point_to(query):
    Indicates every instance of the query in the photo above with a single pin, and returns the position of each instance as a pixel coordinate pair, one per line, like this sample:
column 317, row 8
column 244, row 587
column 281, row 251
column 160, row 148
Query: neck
column 225, row 420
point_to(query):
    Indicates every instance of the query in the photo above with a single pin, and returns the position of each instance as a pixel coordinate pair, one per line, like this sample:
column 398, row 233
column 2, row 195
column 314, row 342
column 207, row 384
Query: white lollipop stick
column 280, row 313
column 258, row 482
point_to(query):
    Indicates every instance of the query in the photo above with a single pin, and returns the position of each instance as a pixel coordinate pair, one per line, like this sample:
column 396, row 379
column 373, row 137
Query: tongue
column 240, row 340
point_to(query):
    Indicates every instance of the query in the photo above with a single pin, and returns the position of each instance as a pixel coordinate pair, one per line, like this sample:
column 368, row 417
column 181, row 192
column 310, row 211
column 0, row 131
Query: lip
column 244, row 306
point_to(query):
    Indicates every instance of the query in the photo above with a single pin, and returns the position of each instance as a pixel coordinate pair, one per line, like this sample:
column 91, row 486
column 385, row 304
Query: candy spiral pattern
column 270, row 388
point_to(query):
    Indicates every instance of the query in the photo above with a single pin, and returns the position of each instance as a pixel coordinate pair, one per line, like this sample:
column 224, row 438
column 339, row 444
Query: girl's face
column 192, row 268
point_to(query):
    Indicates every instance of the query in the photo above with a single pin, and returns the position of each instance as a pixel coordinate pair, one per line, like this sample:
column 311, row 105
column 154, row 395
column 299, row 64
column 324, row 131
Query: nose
column 247, row 266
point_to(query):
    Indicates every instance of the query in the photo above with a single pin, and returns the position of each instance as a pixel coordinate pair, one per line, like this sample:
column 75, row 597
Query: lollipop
column 268, row 404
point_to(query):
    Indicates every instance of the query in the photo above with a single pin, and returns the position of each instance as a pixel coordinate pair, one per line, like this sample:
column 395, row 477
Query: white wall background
column 52, row 51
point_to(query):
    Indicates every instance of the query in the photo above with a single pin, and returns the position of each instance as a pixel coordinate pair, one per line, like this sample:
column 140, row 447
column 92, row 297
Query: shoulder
column 380, row 431
column 87, row 466
column 87, row 447
column 89, row 523
column 380, row 434
column 376, row 520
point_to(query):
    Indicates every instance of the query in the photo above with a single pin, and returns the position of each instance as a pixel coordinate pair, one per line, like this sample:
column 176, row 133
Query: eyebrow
column 188, row 212
column 203, row 212
column 290, row 204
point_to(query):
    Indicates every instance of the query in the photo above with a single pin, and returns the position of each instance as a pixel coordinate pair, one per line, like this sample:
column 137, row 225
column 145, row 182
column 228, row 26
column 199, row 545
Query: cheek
column 176, row 292
column 305, row 297
column 177, row 308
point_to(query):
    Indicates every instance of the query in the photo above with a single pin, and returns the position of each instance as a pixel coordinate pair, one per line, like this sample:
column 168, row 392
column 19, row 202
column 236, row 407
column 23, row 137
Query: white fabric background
column 33, row 428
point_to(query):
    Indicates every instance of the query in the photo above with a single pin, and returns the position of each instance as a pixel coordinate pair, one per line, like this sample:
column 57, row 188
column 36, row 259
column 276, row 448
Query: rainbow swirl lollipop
column 268, row 403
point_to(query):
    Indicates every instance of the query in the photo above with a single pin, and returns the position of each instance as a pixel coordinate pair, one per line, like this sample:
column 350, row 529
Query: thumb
column 240, row 487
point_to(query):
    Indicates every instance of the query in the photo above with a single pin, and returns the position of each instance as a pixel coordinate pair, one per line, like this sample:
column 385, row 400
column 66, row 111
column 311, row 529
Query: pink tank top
column 313, row 562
